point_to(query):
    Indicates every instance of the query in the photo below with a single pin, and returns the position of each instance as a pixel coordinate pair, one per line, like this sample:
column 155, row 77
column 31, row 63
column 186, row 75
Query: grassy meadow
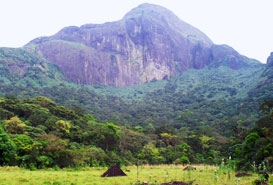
column 203, row 175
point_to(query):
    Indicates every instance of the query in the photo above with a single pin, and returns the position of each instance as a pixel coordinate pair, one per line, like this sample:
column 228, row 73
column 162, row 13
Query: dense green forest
column 197, row 100
column 201, row 116
column 36, row 133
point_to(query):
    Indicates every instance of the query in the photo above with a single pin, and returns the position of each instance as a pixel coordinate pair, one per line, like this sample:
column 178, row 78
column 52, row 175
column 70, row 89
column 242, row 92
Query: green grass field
column 203, row 175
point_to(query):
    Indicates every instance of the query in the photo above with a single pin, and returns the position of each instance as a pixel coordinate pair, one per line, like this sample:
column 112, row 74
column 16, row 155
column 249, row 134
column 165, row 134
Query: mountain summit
column 149, row 43
column 164, row 19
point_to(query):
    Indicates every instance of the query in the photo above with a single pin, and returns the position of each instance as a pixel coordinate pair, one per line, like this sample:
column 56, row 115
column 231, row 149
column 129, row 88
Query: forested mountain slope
column 136, row 79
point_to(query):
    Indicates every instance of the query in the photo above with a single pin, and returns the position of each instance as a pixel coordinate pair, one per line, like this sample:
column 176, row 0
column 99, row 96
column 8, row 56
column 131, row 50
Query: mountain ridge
column 149, row 43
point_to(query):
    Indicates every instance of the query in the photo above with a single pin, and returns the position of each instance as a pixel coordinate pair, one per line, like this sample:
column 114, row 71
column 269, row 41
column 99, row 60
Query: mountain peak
column 149, row 43
column 270, row 60
column 147, row 8
column 162, row 16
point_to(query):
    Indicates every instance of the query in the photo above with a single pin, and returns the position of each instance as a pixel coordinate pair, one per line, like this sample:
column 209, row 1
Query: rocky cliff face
column 267, row 76
column 149, row 43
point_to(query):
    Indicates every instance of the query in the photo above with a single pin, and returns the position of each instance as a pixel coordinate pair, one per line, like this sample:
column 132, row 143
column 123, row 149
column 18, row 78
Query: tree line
column 39, row 133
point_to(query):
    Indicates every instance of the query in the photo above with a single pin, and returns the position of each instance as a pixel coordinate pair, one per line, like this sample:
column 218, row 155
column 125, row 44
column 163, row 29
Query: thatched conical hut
column 113, row 171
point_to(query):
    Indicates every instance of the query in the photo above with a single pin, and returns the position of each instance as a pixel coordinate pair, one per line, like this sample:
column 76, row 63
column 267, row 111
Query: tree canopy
column 39, row 133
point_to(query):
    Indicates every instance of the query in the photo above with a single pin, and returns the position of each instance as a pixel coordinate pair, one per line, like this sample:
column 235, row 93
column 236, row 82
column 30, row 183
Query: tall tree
column 7, row 149
column 110, row 135
column 14, row 126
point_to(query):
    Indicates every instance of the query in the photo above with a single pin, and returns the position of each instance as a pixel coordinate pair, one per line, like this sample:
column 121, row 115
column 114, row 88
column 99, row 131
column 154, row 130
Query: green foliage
column 14, row 126
column 62, row 126
column 24, row 69
column 257, row 146
column 39, row 133
column 196, row 99
column 185, row 160
column 98, row 156
column 195, row 115
column 151, row 154
column 7, row 149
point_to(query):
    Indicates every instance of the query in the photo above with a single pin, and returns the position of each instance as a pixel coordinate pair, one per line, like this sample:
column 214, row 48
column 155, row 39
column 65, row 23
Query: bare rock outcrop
column 149, row 43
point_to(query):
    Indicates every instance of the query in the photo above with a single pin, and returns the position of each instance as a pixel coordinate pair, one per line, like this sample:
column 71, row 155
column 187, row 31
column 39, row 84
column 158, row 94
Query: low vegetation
column 153, row 175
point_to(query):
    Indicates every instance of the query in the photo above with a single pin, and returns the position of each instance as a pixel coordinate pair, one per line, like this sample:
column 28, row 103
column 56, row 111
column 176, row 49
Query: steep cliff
column 149, row 43
column 266, row 79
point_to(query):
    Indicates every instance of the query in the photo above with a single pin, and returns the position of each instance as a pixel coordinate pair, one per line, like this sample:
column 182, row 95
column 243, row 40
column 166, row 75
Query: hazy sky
column 245, row 25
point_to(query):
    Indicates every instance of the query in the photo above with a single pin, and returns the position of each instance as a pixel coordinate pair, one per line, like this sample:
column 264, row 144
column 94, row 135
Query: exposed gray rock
column 149, row 43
